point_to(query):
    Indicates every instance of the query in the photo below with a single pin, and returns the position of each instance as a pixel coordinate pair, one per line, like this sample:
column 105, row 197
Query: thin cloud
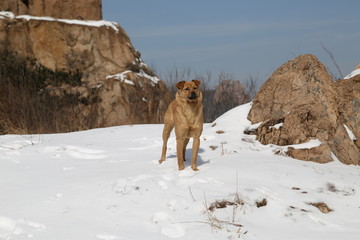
column 229, row 29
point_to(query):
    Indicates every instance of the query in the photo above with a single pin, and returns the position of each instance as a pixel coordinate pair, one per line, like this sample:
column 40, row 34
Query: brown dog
column 186, row 114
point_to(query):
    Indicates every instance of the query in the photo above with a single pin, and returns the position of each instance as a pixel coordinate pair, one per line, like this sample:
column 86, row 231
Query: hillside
column 107, row 184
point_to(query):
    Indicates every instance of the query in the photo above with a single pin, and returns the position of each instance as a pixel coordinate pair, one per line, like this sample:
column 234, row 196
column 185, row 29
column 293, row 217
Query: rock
column 97, row 49
column 348, row 99
column 133, row 98
column 300, row 102
column 115, row 82
column 81, row 9
column 320, row 154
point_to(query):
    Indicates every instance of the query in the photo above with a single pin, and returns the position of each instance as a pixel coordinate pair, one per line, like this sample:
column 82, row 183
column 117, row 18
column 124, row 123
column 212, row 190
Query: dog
column 185, row 113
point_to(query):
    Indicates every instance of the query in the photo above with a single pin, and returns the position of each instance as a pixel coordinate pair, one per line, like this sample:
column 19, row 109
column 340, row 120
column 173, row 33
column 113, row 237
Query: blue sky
column 239, row 37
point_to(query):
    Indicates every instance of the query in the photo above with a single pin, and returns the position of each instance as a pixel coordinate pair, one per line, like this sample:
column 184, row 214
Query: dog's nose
column 192, row 95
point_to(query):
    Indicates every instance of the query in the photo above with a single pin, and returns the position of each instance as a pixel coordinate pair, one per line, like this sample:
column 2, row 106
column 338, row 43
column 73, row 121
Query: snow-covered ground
column 107, row 184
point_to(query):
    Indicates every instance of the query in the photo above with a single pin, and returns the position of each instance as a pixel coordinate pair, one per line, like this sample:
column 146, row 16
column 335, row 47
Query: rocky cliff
column 125, row 89
column 80, row 9
column 300, row 102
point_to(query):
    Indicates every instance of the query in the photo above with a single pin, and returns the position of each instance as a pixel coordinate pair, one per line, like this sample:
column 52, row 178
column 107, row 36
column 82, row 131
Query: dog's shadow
column 188, row 156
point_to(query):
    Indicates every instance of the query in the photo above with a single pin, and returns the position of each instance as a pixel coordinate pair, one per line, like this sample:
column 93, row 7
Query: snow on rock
column 242, row 191
column 124, row 78
column 353, row 74
column 307, row 145
column 350, row 133
column 153, row 79
column 4, row 14
column 92, row 23
column 277, row 126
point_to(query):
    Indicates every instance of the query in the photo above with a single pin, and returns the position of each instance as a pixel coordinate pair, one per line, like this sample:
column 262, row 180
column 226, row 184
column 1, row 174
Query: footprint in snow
column 171, row 230
column 10, row 227
column 84, row 153
column 163, row 185
column 167, row 177
column 172, row 205
column 105, row 236
column 128, row 185
column 74, row 151
column 7, row 225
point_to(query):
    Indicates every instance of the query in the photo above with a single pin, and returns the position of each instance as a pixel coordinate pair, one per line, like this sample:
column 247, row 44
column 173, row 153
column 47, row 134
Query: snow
column 107, row 184
column 4, row 14
column 307, row 145
column 92, row 23
column 350, row 133
column 142, row 73
column 123, row 77
column 277, row 126
column 353, row 73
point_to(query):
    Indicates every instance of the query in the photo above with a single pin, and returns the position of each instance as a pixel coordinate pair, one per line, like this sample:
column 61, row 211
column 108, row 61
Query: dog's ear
column 180, row 85
column 197, row 82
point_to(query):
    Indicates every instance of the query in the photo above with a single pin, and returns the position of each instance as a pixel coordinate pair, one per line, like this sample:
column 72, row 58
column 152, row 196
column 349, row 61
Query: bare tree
column 228, row 94
column 251, row 86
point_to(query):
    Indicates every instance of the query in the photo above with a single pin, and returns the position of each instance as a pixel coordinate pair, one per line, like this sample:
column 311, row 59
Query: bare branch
column 333, row 59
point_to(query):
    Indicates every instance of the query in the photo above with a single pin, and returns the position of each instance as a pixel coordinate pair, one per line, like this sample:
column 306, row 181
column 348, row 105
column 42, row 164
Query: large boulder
column 300, row 102
column 80, row 9
column 115, row 81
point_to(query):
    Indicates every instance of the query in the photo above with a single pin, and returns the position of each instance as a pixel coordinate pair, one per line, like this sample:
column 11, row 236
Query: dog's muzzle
column 192, row 96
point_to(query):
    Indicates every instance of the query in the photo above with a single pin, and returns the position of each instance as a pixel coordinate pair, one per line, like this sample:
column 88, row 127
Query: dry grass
column 217, row 223
column 261, row 203
column 213, row 147
column 323, row 207
column 331, row 187
column 25, row 107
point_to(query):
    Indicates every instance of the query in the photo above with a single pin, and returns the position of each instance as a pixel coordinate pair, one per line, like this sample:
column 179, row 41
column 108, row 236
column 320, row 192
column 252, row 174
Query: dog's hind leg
column 165, row 136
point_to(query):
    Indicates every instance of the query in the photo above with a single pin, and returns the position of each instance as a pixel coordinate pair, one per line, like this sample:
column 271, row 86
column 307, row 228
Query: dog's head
column 190, row 91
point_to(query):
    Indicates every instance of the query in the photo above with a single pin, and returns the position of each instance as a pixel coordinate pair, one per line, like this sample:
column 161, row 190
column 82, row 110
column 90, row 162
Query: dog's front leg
column 195, row 151
column 180, row 152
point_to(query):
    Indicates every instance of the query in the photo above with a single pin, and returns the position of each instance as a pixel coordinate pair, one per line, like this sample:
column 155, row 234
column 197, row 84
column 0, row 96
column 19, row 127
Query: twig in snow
column 192, row 196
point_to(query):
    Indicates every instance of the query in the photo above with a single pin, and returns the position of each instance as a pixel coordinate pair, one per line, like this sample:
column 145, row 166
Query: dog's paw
column 195, row 168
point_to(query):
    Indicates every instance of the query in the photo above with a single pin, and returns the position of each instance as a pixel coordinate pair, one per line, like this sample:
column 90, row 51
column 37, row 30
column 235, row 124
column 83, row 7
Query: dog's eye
column 195, row 88
column 187, row 89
